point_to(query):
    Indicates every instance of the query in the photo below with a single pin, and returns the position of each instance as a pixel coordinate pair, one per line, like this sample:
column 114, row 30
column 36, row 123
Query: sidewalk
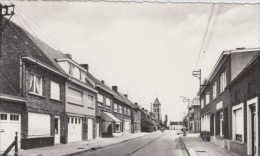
column 71, row 148
column 197, row 147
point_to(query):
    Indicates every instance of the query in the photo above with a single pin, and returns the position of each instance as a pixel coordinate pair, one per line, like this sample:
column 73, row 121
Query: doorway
column 57, row 129
column 252, row 124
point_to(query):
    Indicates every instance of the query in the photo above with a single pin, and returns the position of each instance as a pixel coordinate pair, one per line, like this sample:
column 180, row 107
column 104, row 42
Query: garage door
column 127, row 126
column 74, row 129
column 90, row 129
column 9, row 124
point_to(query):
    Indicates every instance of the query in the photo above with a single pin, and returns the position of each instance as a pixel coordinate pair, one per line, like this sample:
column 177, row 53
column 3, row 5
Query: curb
column 97, row 148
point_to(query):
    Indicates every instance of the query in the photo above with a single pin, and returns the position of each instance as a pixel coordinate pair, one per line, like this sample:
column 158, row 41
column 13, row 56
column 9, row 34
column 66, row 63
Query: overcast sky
column 147, row 50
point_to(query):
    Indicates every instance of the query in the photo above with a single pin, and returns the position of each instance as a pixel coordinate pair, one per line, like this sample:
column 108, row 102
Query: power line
column 205, row 34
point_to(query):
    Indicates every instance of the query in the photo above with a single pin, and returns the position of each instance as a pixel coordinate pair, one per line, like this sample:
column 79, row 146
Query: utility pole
column 5, row 10
column 197, row 74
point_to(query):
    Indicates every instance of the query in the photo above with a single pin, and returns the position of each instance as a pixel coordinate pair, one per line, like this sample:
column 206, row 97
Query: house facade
column 215, row 98
column 36, row 93
column 194, row 116
column 244, row 110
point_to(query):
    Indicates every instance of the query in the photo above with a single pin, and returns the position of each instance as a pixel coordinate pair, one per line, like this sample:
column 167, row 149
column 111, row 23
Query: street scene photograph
column 130, row 78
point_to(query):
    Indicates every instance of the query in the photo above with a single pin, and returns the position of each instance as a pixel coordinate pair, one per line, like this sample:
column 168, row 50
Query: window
column 74, row 96
column 115, row 107
column 91, row 100
column 100, row 100
column 55, row 90
column 14, row 117
column 108, row 102
column 202, row 102
column 222, row 81
column 120, row 109
column 35, row 84
column 214, row 92
column 237, row 122
column 82, row 76
column 207, row 98
column 3, row 117
column 117, row 127
column 71, row 69
column 125, row 110
column 221, row 123
column 39, row 124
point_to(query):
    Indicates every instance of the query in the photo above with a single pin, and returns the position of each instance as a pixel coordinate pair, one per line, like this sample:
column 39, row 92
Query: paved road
column 157, row 144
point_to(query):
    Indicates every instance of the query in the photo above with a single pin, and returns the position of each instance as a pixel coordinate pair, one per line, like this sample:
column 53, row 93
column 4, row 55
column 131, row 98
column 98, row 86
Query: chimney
column 143, row 108
column 84, row 66
column 125, row 95
column 114, row 88
column 136, row 104
column 102, row 81
column 68, row 56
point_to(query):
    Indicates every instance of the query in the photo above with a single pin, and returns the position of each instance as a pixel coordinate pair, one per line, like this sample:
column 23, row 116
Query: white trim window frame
column 115, row 107
column 35, row 84
column 120, row 109
column 214, row 90
column 222, row 81
column 108, row 102
column 207, row 98
column 100, row 100
column 239, row 107
column 91, row 100
column 54, row 90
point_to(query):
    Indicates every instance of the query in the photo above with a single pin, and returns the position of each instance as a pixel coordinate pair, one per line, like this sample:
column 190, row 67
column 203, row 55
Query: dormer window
column 73, row 69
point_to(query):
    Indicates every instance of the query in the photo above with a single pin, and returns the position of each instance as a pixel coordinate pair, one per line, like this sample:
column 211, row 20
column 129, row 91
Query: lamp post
column 197, row 74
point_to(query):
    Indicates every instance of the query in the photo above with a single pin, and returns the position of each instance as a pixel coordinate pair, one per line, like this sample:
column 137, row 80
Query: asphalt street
column 157, row 144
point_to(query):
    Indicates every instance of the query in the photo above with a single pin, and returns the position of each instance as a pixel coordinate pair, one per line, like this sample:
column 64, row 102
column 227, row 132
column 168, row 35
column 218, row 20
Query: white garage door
column 127, row 126
column 90, row 129
column 9, row 124
column 74, row 129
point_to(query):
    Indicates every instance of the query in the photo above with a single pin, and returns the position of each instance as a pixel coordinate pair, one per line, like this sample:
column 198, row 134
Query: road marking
column 145, row 145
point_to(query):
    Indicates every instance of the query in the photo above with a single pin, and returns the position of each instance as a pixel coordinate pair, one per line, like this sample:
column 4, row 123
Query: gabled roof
column 250, row 65
column 128, row 102
column 6, row 87
column 118, row 97
column 157, row 102
column 99, row 84
column 24, row 44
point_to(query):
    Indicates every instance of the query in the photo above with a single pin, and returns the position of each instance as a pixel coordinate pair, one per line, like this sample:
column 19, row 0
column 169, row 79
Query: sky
column 148, row 50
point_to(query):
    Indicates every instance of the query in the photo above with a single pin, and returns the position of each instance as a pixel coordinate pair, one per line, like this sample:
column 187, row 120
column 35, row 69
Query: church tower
column 157, row 110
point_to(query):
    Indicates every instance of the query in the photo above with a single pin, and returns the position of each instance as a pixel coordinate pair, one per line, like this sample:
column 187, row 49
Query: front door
column 57, row 129
column 90, row 129
column 97, row 129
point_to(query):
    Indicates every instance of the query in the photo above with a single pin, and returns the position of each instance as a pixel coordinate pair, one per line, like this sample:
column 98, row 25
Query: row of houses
column 229, row 102
column 48, row 98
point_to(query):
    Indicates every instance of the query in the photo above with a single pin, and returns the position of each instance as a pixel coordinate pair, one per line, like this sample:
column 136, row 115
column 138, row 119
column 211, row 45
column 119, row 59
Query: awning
column 109, row 117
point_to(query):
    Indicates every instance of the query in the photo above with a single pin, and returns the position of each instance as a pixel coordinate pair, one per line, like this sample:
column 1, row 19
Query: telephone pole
column 5, row 10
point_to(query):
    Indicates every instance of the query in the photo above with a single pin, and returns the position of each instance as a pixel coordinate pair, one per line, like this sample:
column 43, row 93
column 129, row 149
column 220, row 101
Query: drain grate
column 200, row 151
column 80, row 148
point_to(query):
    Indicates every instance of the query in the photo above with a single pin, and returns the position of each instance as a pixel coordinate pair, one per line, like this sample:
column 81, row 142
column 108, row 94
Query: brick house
column 244, row 110
column 215, row 98
column 136, row 118
column 147, row 124
column 80, row 101
column 127, row 111
column 106, row 122
column 33, row 103
column 194, row 116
